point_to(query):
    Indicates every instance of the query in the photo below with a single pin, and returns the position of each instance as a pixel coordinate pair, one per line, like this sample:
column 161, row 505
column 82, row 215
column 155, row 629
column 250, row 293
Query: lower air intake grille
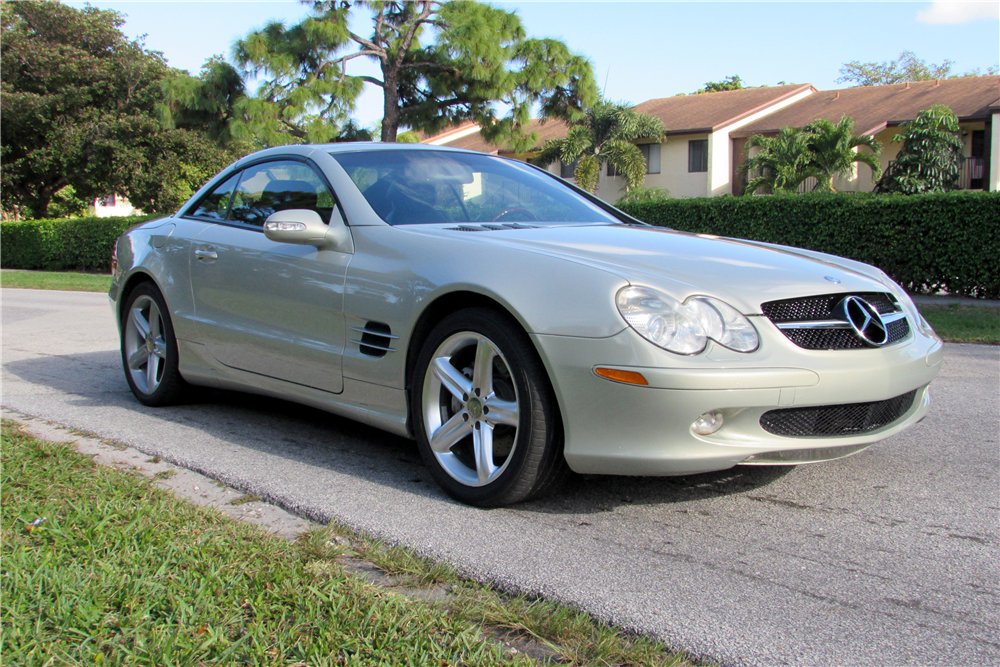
column 834, row 420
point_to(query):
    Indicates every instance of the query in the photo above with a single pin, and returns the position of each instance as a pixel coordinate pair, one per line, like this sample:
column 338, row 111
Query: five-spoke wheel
column 149, row 349
column 485, row 415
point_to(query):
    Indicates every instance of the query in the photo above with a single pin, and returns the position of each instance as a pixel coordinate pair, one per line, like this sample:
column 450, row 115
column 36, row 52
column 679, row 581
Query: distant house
column 879, row 111
column 707, row 133
column 112, row 206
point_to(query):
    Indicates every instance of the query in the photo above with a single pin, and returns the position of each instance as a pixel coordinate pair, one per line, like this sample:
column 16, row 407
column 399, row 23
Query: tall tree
column 604, row 136
column 441, row 63
column 905, row 68
column 79, row 108
column 930, row 158
column 834, row 150
column 781, row 164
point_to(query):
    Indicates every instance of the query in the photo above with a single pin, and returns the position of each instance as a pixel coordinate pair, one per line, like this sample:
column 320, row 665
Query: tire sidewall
column 169, row 386
column 532, row 433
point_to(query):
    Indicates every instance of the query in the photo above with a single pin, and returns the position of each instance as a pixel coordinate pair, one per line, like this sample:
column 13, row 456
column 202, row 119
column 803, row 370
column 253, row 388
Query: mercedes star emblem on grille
column 865, row 319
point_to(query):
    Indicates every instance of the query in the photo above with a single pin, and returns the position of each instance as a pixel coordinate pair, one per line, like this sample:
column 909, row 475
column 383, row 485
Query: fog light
column 708, row 423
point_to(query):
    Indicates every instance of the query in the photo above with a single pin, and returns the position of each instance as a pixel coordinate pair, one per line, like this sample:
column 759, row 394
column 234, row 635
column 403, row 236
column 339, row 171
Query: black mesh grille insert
column 841, row 339
column 821, row 307
column 834, row 420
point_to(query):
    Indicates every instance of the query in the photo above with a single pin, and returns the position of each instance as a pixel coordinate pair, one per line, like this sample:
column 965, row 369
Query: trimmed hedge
column 69, row 244
column 927, row 242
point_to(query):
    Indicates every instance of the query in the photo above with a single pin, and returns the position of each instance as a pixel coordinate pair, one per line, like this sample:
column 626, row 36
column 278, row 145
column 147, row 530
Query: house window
column 567, row 170
column 650, row 153
column 698, row 155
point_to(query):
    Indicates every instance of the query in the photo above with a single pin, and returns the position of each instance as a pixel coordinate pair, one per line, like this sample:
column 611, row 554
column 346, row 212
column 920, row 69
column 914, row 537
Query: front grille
column 822, row 309
column 835, row 420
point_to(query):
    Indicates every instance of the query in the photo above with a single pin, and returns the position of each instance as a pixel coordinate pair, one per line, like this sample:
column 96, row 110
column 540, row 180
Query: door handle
column 206, row 254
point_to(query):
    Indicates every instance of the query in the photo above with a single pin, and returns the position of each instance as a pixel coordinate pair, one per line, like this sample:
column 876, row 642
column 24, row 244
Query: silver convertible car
column 515, row 326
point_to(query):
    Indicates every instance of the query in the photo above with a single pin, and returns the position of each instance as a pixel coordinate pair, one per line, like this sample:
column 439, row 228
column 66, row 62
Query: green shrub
column 925, row 242
column 77, row 244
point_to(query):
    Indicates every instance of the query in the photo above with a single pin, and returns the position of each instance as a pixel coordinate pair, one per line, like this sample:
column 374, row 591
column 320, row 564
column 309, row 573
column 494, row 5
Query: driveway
column 888, row 557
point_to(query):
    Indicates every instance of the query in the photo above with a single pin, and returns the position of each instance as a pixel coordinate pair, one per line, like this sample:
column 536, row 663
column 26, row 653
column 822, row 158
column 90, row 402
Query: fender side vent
column 376, row 339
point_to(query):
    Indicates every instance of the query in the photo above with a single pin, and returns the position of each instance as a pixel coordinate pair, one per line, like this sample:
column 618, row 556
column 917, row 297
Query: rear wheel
column 484, row 413
column 149, row 348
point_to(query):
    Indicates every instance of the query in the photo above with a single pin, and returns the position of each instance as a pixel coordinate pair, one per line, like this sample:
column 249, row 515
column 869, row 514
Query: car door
column 274, row 309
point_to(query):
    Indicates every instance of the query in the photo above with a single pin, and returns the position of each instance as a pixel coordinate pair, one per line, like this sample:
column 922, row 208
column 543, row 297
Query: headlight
column 685, row 328
column 908, row 305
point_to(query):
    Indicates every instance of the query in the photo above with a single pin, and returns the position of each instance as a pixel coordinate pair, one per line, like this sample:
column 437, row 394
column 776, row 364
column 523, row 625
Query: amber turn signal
column 628, row 377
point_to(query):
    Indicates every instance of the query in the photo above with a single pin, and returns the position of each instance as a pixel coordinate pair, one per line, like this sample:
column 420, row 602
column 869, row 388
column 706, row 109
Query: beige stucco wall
column 673, row 174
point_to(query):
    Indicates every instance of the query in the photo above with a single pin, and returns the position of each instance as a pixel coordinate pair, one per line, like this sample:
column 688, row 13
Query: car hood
column 744, row 273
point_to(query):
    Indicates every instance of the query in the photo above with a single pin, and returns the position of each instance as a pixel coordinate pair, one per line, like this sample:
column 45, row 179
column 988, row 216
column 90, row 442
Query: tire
column 149, row 348
column 502, row 444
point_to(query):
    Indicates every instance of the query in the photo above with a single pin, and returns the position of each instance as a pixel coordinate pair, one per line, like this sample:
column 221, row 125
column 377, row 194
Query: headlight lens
column 685, row 328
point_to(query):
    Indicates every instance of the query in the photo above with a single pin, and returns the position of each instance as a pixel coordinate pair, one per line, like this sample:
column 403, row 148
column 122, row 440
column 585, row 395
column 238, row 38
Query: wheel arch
column 441, row 307
column 134, row 280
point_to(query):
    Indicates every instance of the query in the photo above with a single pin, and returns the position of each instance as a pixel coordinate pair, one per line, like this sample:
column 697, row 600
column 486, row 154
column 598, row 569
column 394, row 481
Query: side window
column 697, row 155
column 279, row 186
column 215, row 204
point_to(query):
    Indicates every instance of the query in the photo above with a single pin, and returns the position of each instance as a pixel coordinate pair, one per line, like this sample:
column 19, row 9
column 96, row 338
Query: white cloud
column 945, row 11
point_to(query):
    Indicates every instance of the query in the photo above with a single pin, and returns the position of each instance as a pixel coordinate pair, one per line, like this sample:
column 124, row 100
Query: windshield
column 409, row 187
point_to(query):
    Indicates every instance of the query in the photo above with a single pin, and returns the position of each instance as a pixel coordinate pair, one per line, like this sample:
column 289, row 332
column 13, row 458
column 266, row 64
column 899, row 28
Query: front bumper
column 615, row 428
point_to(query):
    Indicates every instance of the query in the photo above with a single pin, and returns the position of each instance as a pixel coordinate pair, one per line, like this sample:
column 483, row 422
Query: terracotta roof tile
column 707, row 111
column 872, row 107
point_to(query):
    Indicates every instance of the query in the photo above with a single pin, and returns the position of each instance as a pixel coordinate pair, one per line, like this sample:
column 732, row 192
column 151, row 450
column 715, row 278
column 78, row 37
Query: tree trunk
column 390, row 107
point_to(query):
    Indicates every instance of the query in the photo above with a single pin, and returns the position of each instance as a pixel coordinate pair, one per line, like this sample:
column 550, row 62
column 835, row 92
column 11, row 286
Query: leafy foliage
column 782, row 163
column 729, row 83
column 643, row 195
column 931, row 156
column 604, row 136
column 821, row 149
column 905, row 68
column 441, row 64
column 925, row 242
column 79, row 108
column 82, row 244
column 833, row 150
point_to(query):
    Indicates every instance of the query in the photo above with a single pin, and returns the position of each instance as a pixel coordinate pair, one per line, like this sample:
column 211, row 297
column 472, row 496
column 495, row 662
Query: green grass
column 121, row 572
column 964, row 324
column 74, row 282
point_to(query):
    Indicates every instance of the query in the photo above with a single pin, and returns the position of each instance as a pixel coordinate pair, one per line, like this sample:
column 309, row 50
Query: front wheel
column 484, row 413
column 149, row 348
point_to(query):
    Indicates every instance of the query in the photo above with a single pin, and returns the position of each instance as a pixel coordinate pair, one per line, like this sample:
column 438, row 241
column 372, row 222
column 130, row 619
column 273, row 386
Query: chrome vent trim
column 376, row 339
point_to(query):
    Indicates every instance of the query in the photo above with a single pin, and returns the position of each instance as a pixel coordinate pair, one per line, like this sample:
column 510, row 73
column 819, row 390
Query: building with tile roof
column 707, row 133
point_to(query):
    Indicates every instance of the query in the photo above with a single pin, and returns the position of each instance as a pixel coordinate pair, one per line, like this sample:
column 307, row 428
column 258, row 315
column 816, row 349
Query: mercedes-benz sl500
column 515, row 326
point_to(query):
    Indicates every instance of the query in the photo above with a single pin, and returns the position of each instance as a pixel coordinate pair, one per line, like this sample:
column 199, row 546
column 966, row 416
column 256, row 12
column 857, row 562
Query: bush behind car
column 924, row 242
column 79, row 244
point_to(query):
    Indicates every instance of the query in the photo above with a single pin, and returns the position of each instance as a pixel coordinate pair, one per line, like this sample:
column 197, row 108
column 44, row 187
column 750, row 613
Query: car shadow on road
column 317, row 438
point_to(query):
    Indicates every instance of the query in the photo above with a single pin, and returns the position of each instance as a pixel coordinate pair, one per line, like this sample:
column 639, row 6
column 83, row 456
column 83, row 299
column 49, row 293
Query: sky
column 643, row 50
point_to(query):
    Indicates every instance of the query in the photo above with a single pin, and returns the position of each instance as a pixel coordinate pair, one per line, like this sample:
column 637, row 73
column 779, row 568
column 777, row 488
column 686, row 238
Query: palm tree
column 834, row 151
column 781, row 163
column 605, row 136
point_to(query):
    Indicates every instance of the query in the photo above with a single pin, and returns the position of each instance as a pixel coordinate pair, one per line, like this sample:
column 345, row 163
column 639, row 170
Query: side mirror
column 305, row 227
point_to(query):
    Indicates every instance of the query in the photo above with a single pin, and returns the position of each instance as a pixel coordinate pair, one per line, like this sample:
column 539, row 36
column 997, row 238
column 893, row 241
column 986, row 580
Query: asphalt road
column 885, row 558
